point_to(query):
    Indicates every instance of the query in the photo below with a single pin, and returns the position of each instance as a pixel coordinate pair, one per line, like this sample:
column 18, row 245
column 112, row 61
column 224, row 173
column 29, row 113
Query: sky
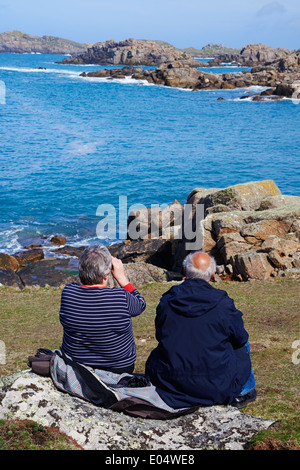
column 183, row 23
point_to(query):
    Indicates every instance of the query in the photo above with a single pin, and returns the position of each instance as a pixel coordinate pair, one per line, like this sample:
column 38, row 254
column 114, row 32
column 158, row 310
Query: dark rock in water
column 58, row 240
column 34, row 245
column 49, row 272
column 29, row 256
column 268, row 92
column 71, row 250
column 9, row 278
column 278, row 70
column 284, row 90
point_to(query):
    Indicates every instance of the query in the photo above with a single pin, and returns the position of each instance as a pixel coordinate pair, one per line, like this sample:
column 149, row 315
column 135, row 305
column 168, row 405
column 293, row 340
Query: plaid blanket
column 66, row 378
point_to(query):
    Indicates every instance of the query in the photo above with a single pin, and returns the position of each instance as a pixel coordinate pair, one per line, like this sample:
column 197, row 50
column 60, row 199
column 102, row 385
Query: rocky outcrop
column 250, row 55
column 18, row 42
column 26, row 395
column 283, row 80
column 131, row 52
column 8, row 262
column 55, row 272
column 251, row 229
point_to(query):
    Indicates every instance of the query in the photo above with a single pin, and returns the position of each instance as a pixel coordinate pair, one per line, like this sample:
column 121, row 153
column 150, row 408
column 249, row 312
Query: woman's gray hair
column 94, row 263
column 195, row 273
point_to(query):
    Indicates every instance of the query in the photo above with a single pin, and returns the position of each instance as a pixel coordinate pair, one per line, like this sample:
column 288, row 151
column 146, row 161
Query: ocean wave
column 9, row 240
column 128, row 80
column 37, row 70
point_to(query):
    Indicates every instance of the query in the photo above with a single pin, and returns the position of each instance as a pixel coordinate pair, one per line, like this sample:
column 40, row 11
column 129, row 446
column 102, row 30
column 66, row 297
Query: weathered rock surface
column 256, row 238
column 18, row 42
column 156, row 251
column 154, row 222
column 252, row 54
column 130, row 52
column 28, row 256
column 48, row 272
column 9, row 278
column 281, row 77
column 8, row 262
column 246, row 196
column 175, row 74
column 54, row 272
column 26, row 395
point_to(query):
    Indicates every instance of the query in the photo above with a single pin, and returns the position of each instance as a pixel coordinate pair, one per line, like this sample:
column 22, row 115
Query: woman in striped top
column 96, row 319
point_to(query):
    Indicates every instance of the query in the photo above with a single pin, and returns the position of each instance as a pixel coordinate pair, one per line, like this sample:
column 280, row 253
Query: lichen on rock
column 26, row 395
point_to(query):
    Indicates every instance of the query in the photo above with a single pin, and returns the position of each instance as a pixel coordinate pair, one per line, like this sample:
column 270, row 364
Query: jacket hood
column 194, row 297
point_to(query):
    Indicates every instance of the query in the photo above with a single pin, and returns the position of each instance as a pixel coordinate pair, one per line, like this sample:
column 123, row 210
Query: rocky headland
column 131, row 52
column 251, row 229
column 19, row 42
column 281, row 77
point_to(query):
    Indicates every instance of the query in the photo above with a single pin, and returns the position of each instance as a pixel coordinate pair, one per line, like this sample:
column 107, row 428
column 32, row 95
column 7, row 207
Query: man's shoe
column 243, row 400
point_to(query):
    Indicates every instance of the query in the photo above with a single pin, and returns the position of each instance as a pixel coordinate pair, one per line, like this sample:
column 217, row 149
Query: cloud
column 271, row 9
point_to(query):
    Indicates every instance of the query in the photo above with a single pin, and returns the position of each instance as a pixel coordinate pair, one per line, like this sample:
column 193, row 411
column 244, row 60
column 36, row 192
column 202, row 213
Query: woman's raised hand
column 118, row 272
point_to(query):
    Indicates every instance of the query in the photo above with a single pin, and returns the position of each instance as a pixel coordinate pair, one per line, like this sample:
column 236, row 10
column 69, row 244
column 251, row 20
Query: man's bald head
column 201, row 260
column 199, row 265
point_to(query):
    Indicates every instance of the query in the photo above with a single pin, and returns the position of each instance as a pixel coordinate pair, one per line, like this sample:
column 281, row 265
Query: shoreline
column 251, row 229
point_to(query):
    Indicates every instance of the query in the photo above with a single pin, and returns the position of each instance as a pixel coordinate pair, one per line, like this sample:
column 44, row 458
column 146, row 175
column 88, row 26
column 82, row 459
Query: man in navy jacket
column 203, row 355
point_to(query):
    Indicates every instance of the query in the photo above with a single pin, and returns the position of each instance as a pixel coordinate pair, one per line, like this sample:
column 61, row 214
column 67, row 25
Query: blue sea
column 70, row 144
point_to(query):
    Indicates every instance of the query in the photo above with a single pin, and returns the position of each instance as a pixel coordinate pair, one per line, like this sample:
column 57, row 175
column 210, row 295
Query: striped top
column 97, row 326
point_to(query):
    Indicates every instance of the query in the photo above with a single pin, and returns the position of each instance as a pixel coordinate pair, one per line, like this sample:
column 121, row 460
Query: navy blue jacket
column 201, row 356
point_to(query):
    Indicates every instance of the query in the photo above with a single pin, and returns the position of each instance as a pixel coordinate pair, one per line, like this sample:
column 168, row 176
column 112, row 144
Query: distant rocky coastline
column 251, row 229
column 251, row 55
column 19, row 42
column 211, row 50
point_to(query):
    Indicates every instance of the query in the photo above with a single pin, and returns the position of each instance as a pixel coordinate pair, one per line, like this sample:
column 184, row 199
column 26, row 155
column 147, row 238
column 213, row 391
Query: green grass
column 28, row 435
column 29, row 320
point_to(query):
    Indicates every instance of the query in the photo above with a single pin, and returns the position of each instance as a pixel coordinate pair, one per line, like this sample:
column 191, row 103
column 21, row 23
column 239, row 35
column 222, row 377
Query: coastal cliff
column 19, row 42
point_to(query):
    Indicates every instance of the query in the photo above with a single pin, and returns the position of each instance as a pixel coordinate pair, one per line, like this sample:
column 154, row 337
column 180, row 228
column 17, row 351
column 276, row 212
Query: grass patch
column 29, row 320
column 28, row 435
